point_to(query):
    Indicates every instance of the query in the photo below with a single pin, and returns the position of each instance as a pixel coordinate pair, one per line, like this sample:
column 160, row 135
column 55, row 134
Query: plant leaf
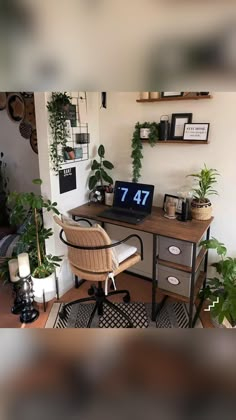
column 101, row 151
column 108, row 164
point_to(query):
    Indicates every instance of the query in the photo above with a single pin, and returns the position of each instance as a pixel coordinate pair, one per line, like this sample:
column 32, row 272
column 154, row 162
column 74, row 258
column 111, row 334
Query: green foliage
column 206, row 179
column 137, row 146
column 57, row 109
column 100, row 175
column 30, row 206
column 4, row 220
column 224, row 286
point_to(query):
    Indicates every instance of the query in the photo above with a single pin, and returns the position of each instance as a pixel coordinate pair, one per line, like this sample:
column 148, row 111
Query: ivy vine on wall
column 57, row 109
column 137, row 146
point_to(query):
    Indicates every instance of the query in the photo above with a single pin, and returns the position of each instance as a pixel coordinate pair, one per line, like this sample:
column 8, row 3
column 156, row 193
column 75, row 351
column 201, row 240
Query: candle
column 24, row 266
column 13, row 270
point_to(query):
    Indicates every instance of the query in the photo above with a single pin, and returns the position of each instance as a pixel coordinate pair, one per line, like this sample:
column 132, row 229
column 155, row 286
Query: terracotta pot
column 71, row 154
column 201, row 211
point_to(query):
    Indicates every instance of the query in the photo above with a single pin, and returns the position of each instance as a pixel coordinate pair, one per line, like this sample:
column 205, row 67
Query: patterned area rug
column 172, row 315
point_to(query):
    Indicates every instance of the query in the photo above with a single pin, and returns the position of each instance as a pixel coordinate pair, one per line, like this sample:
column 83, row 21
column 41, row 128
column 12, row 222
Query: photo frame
column 196, row 131
column 178, row 122
column 175, row 198
column 171, row 94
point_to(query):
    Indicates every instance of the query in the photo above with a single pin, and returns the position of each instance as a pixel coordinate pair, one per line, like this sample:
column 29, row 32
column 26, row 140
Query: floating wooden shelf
column 178, row 141
column 175, row 98
column 197, row 288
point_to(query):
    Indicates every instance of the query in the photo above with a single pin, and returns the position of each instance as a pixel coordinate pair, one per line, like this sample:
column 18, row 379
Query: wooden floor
column 140, row 291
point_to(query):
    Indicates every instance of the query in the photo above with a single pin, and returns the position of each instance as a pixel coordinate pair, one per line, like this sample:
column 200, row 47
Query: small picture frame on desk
column 178, row 122
column 196, row 131
column 174, row 198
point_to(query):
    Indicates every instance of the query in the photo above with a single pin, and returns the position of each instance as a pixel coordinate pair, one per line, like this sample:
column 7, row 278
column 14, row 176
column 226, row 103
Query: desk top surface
column 156, row 223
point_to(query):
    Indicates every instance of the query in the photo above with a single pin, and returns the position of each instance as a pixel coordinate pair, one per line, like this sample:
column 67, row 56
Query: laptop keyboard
column 123, row 216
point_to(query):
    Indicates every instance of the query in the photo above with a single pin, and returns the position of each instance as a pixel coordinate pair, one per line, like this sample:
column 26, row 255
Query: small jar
column 171, row 208
column 144, row 95
column 154, row 95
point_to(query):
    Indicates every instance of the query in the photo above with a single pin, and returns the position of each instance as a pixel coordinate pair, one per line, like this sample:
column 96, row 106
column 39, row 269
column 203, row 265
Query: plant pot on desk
column 201, row 211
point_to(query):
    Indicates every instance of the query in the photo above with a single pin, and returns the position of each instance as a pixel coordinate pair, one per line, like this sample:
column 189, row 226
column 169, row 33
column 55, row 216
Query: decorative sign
column 67, row 180
column 196, row 131
column 71, row 115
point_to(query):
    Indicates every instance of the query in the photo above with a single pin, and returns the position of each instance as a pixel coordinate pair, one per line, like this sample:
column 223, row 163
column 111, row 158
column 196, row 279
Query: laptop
column 132, row 202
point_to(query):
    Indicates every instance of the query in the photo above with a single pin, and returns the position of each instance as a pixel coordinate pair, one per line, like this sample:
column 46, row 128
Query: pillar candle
column 13, row 270
column 24, row 266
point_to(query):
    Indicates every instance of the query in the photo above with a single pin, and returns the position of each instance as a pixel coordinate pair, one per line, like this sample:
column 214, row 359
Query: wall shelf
column 178, row 98
column 177, row 142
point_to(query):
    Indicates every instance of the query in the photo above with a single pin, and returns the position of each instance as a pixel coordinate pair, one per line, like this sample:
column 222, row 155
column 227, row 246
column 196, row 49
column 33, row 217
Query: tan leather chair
column 94, row 257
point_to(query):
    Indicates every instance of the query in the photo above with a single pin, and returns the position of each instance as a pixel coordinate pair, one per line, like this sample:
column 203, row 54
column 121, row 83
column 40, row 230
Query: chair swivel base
column 97, row 295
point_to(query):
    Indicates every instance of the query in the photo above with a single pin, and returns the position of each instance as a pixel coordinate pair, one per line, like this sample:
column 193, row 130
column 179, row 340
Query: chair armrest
column 97, row 248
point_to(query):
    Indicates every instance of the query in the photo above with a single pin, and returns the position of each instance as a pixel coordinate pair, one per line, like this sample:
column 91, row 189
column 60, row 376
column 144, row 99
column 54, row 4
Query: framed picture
column 178, row 122
column 171, row 94
column 174, row 198
column 196, row 131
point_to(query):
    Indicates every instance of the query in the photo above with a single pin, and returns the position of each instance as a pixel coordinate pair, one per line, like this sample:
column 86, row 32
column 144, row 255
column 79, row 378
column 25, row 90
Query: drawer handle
column 174, row 250
column 173, row 280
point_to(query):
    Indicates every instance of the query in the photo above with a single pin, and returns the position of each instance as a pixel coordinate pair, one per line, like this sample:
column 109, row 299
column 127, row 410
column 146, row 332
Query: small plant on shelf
column 222, row 289
column 58, row 114
column 69, row 153
column 100, row 166
column 152, row 132
column 201, row 205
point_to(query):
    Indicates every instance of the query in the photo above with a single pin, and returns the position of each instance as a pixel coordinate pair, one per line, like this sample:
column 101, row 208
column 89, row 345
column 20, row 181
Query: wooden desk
column 157, row 225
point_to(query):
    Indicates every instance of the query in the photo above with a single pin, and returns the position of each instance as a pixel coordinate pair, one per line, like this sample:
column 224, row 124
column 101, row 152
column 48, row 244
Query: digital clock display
column 133, row 196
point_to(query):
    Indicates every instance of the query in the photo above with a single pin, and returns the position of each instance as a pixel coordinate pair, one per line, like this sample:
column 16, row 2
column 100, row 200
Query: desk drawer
column 175, row 250
column 175, row 281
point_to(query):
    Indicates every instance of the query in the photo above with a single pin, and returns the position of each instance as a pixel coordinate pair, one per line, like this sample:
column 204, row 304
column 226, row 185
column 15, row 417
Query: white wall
column 50, row 186
column 166, row 166
column 22, row 161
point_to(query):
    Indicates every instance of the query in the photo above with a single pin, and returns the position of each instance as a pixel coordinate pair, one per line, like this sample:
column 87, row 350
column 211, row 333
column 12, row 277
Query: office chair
column 94, row 257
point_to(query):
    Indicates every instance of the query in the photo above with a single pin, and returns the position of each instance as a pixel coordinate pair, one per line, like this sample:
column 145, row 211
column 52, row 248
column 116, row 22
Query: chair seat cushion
column 123, row 251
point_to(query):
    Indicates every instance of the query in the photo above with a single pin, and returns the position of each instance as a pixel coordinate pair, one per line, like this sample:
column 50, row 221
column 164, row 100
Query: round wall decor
column 3, row 100
column 33, row 141
column 25, row 130
column 15, row 107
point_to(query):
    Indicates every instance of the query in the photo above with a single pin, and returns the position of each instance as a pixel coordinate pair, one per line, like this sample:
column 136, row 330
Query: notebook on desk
column 132, row 202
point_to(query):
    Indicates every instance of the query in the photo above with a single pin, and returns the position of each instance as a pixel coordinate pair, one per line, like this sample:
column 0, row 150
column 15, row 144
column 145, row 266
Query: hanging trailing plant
column 57, row 109
column 137, row 146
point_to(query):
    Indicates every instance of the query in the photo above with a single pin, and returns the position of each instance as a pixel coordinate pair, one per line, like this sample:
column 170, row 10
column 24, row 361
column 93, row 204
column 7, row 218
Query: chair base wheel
column 126, row 299
column 91, row 291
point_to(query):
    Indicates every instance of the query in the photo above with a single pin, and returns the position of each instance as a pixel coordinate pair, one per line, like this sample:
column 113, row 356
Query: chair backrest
column 96, row 261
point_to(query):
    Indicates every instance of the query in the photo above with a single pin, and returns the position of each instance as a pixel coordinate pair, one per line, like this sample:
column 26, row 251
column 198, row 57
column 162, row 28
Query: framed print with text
column 196, row 131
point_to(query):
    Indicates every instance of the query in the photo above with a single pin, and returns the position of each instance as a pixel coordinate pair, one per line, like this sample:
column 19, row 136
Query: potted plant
column 58, row 114
column 201, row 207
column 221, row 290
column 69, row 153
column 4, row 218
column 149, row 131
column 100, row 175
column 31, row 206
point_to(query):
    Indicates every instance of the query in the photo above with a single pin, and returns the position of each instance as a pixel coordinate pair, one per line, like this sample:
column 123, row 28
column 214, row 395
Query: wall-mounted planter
column 82, row 138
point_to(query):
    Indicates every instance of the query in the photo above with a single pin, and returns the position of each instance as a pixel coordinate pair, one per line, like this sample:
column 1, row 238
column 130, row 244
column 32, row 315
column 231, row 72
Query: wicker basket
column 201, row 211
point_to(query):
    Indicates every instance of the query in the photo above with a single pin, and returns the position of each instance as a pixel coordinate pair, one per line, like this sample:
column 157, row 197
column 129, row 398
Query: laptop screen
column 133, row 196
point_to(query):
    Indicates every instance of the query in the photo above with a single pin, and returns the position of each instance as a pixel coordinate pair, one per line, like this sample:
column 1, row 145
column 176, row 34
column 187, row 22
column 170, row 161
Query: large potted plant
column 30, row 207
column 201, row 207
column 100, row 178
column 221, row 290
column 4, row 219
column 148, row 131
